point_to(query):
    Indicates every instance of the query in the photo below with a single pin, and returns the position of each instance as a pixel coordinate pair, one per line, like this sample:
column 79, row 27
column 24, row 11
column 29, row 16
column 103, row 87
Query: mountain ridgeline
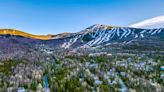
column 102, row 35
column 96, row 37
column 24, row 34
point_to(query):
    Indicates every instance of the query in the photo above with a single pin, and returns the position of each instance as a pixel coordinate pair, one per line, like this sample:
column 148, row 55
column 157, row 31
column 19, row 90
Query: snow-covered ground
column 101, row 34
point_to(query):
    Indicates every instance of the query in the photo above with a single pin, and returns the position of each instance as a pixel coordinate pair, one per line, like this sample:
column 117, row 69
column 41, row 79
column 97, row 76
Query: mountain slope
column 24, row 34
column 98, row 35
column 20, row 33
column 101, row 37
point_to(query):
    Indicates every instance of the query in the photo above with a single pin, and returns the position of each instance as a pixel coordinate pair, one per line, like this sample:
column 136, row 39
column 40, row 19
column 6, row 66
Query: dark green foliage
column 87, row 38
column 5, row 66
column 33, row 85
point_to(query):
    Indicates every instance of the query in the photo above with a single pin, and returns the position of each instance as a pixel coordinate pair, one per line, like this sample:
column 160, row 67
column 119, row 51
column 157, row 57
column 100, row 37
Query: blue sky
column 57, row 16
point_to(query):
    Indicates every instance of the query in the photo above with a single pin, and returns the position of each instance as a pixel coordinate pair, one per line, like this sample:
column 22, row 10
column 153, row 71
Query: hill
column 24, row 34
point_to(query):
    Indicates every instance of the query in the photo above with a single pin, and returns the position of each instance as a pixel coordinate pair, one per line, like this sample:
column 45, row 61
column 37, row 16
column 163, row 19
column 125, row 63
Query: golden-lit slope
column 20, row 33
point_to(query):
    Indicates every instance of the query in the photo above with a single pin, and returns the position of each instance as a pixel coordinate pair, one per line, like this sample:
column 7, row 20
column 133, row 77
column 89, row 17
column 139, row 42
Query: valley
column 99, row 58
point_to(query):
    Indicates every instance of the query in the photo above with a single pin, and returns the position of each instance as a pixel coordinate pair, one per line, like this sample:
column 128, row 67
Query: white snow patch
column 153, row 23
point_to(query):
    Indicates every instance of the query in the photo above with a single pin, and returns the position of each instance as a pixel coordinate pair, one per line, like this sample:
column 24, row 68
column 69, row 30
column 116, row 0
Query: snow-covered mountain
column 153, row 23
column 95, row 36
column 98, row 35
